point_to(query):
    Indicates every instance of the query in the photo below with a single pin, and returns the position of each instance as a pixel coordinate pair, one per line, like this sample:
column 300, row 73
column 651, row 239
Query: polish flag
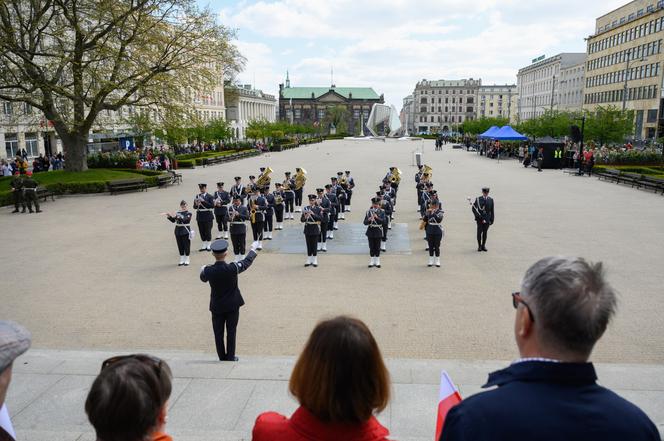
column 447, row 398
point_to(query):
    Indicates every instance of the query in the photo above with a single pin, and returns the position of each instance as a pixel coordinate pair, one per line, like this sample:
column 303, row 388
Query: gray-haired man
column 14, row 341
column 550, row 393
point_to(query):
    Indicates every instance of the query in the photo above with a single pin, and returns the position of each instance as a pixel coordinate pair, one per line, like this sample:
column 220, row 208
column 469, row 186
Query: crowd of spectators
column 341, row 383
column 41, row 163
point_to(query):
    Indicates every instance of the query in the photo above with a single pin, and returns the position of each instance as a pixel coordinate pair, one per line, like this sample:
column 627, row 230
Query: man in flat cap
column 483, row 212
column 350, row 185
column 225, row 296
column 14, row 341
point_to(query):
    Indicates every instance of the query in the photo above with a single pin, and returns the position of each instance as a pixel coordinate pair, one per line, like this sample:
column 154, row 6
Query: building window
column 7, row 107
column 11, row 145
column 31, row 145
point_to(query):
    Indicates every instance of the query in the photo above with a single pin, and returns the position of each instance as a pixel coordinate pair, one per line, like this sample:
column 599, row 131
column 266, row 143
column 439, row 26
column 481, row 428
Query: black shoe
column 230, row 359
column 202, row 249
column 15, row 211
column 484, row 248
column 23, row 211
column 479, row 248
column 378, row 265
column 180, row 264
column 31, row 211
column 38, row 211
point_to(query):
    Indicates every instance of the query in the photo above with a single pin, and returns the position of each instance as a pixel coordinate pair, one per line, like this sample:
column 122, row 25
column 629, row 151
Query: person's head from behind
column 127, row 401
column 14, row 341
column 340, row 377
column 563, row 309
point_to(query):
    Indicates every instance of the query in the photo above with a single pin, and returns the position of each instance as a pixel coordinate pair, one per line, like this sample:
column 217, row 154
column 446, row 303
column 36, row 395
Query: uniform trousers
column 433, row 240
column 267, row 225
column 18, row 199
column 298, row 197
column 30, row 197
column 482, row 230
column 289, row 205
column 257, row 230
column 239, row 243
column 222, row 222
column 205, row 228
column 184, row 244
column 385, row 225
column 349, row 195
column 229, row 321
column 323, row 232
column 279, row 212
column 374, row 246
column 312, row 244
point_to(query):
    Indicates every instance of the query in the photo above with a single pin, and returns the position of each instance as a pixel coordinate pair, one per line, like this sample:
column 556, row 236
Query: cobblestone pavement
column 100, row 272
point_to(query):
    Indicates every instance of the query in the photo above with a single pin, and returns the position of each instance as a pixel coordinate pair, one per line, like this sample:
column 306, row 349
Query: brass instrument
column 300, row 178
column 278, row 199
column 395, row 177
column 423, row 223
column 252, row 210
column 264, row 178
column 426, row 170
column 343, row 181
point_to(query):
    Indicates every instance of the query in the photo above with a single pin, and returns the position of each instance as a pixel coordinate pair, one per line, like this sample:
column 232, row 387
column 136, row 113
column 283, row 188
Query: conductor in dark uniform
column 225, row 296
column 484, row 216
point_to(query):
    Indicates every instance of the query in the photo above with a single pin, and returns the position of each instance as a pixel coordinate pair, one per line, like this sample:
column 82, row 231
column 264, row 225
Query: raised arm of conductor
column 216, row 272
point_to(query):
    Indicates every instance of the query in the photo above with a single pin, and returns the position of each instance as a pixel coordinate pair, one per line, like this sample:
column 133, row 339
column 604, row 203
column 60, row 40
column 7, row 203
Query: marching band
column 204, row 205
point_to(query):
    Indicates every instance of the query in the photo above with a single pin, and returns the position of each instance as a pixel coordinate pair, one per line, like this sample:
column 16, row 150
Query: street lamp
column 626, row 73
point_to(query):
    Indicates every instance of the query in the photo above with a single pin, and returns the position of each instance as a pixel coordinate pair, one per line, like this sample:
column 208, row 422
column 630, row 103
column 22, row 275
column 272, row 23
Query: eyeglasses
column 155, row 362
column 516, row 299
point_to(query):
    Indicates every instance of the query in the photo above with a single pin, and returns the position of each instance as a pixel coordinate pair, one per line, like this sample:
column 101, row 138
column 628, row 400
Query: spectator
column 128, row 399
column 14, row 341
column 6, row 168
column 550, row 393
column 340, row 381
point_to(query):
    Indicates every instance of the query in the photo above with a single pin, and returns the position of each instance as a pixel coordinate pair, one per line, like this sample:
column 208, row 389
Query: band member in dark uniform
column 418, row 179
column 350, row 184
column 182, row 221
column 289, row 195
column 237, row 216
column 204, row 204
column 278, row 207
column 333, row 211
column 484, row 216
column 374, row 219
column 257, row 207
column 386, row 206
column 311, row 217
column 434, row 229
column 298, row 194
column 269, row 212
column 239, row 190
column 222, row 199
column 339, row 191
column 342, row 184
column 252, row 186
column 267, row 180
column 225, row 296
column 325, row 206
column 426, row 197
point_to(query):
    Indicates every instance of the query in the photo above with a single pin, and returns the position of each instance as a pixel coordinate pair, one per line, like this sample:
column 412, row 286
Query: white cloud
column 391, row 44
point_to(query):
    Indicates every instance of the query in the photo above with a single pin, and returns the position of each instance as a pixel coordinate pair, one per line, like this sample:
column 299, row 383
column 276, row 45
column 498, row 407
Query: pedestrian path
column 219, row 401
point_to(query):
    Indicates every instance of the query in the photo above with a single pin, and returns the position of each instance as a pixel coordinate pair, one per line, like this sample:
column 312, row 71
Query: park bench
column 610, row 174
column 176, row 177
column 127, row 185
column 43, row 192
column 214, row 160
column 164, row 180
column 649, row 182
column 630, row 178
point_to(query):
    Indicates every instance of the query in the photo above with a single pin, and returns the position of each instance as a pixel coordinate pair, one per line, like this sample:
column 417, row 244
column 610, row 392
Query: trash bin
column 418, row 159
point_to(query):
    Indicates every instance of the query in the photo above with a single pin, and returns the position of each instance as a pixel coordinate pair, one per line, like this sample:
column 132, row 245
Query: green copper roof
column 359, row 93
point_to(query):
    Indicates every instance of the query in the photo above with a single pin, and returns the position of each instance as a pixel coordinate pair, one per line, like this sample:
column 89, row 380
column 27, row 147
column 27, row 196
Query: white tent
column 382, row 113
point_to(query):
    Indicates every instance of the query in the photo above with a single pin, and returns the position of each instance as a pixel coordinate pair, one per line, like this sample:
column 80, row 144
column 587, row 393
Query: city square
column 113, row 285
column 288, row 220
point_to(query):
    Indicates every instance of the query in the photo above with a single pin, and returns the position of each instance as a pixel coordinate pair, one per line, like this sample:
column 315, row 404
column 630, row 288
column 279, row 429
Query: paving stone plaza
column 98, row 275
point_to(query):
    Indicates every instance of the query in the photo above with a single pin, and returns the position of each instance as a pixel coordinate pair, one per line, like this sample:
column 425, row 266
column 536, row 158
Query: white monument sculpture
column 382, row 113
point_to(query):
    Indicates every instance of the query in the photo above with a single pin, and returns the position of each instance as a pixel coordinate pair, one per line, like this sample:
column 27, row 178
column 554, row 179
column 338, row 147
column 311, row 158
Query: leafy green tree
column 73, row 59
column 609, row 124
column 337, row 116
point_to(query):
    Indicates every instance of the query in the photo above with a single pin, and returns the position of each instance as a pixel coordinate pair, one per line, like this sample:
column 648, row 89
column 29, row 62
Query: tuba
column 343, row 181
column 264, row 178
column 427, row 170
column 396, row 176
column 300, row 178
column 252, row 210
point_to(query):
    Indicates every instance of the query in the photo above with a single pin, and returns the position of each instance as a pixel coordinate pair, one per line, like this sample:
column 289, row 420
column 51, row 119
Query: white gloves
column 254, row 246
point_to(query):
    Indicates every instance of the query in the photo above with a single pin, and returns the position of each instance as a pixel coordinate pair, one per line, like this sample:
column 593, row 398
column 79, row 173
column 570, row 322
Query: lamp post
column 626, row 73
column 553, row 91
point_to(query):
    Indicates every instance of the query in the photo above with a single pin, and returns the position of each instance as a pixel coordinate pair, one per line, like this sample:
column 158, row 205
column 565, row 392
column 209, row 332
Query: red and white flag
column 448, row 397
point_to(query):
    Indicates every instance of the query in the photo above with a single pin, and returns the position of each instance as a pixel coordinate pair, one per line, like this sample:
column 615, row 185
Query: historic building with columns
column 245, row 105
column 442, row 105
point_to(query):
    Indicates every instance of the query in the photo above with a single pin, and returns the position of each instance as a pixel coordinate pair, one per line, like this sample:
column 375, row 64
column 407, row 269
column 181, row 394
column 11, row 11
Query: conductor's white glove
column 254, row 246
column 203, row 268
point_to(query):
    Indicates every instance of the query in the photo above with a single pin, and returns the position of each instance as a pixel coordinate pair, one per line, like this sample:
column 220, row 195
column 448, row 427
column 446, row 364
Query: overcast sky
column 391, row 44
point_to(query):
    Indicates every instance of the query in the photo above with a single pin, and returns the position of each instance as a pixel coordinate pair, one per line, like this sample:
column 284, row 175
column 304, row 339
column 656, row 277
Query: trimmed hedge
column 210, row 154
column 119, row 159
column 629, row 157
column 186, row 163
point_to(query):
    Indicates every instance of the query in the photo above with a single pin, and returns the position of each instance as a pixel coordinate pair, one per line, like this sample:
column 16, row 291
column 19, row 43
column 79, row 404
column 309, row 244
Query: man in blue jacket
column 225, row 296
column 550, row 393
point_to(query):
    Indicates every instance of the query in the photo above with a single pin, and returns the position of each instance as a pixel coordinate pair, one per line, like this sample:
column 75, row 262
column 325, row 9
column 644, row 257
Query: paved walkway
column 220, row 401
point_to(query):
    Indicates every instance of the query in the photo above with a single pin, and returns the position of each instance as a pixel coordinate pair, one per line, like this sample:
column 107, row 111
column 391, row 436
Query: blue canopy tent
column 506, row 133
column 489, row 133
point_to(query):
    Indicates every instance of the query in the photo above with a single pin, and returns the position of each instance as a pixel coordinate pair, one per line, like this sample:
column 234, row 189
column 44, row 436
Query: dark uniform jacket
column 181, row 220
column 269, row 211
column 334, row 203
column 261, row 208
column 17, row 183
column 225, row 295
column 222, row 199
column 326, row 207
column 289, row 194
column 204, row 203
column 375, row 226
column 483, row 209
column 237, row 216
column 433, row 223
column 240, row 191
column 546, row 401
column 311, row 216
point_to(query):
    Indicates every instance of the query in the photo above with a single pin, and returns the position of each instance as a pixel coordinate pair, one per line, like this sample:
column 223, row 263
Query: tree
column 73, row 59
column 337, row 116
column 609, row 124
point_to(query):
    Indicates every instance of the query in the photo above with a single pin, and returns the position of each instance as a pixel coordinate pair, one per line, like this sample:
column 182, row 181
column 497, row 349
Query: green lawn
column 61, row 176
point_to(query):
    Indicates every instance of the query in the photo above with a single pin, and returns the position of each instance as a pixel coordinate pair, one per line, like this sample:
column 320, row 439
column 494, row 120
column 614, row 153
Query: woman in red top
column 340, row 381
